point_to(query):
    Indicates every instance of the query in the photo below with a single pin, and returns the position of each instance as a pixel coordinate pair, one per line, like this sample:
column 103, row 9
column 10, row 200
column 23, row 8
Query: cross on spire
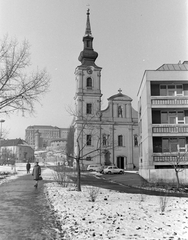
column 119, row 90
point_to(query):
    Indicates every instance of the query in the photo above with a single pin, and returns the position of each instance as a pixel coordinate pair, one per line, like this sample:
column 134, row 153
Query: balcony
column 169, row 157
column 163, row 101
column 170, row 129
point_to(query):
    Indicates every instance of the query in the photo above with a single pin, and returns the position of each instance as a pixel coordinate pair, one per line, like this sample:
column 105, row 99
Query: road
column 118, row 183
column 126, row 182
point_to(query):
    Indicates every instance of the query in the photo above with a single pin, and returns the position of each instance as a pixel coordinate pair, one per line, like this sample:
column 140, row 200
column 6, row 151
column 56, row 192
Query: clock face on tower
column 89, row 71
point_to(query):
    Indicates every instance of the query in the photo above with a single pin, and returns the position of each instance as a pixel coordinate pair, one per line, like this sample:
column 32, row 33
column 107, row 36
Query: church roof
column 120, row 95
column 174, row 67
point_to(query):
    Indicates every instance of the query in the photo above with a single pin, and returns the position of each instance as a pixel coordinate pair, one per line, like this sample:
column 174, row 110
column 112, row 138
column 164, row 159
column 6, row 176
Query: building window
column 182, row 147
column 163, row 90
column 88, row 158
column 88, row 143
column 120, row 113
column 173, row 144
column 155, row 91
column 172, row 117
column 120, row 140
column 169, row 145
column 89, row 108
column 104, row 140
column 165, row 145
column 136, row 140
column 89, row 82
column 172, row 90
column 180, row 117
column 179, row 90
column 88, row 43
column 185, row 89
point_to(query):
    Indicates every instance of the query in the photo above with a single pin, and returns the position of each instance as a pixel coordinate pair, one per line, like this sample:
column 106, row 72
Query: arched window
column 88, row 108
column 104, row 140
column 136, row 140
column 88, row 140
column 120, row 111
column 120, row 140
column 89, row 83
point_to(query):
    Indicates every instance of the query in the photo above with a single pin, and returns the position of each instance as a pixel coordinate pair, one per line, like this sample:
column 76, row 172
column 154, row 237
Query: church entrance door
column 120, row 162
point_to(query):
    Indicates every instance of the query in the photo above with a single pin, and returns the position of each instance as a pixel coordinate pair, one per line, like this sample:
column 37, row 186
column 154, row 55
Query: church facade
column 109, row 136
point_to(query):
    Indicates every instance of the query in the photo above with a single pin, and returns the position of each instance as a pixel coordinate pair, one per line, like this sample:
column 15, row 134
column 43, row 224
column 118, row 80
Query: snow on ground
column 13, row 174
column 116, row 215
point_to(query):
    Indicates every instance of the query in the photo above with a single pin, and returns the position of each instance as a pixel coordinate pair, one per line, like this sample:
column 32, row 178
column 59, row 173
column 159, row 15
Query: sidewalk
column 47, row 174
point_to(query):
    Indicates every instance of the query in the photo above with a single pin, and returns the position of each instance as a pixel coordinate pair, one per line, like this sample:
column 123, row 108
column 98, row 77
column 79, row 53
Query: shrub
column 163, row 203
column 93, row 193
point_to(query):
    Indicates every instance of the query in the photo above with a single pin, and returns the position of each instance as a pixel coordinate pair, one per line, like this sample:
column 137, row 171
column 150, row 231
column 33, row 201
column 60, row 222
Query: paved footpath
column 24, row 211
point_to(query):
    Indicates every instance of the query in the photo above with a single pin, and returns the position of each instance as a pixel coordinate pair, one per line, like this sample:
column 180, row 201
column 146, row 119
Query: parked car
column 112, row 169
column 97, row 168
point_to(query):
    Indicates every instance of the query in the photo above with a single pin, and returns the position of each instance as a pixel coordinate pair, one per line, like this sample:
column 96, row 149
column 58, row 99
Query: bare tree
column 7, row 156
column 18, row 90
column 86, row 126
column 178, row 165
column 70, row 144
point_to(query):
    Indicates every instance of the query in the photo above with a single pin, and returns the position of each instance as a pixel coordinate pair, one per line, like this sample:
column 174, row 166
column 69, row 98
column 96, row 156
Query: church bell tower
column 88, row 79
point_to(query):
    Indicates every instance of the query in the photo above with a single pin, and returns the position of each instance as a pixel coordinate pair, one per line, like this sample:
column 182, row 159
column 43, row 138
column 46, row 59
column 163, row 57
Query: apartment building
column 163, row 122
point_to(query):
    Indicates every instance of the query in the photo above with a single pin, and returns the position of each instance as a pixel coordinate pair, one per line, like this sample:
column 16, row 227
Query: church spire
column 88, row 55
column 88, row 26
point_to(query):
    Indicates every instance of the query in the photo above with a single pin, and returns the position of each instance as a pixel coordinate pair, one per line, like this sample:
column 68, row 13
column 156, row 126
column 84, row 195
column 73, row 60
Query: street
column 121, row 183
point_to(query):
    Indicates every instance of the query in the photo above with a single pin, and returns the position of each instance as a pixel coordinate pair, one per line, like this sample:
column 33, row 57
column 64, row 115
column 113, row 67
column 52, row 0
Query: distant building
column 40, row 136
column 15, row 150
column 163, row 122
column 58, row 144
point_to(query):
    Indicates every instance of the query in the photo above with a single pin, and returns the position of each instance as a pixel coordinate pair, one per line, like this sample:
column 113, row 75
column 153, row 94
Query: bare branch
column 18, row 90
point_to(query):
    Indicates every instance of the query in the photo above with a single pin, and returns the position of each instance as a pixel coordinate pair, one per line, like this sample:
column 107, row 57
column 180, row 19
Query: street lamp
column 1, row 121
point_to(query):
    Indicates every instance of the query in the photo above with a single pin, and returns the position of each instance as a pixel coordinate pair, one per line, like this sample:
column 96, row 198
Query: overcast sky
column 130, row 36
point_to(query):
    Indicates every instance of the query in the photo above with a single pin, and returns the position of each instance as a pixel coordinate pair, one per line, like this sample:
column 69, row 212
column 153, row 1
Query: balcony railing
column 162, row 100
column 169, row 158
column 170, row 128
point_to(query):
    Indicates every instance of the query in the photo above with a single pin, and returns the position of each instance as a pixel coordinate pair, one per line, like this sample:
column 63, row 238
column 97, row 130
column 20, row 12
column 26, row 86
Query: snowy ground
column 12, row 174
column 115, row 215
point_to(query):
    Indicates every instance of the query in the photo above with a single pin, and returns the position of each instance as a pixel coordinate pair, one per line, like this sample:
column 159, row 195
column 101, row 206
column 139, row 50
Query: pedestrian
column 28, row 166
column 36, row 173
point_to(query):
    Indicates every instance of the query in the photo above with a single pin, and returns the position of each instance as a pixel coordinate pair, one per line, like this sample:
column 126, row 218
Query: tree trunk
column 78, row 175
column 177, row 177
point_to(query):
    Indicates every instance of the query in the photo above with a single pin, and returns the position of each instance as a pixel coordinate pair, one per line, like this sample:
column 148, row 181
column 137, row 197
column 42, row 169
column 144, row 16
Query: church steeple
column 88, row 55
column 88, row 26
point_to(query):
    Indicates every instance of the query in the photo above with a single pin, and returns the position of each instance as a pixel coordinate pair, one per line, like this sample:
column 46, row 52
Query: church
column 102, row 136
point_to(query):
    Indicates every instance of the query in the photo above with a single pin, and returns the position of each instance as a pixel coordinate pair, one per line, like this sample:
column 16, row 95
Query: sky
column 130, row 36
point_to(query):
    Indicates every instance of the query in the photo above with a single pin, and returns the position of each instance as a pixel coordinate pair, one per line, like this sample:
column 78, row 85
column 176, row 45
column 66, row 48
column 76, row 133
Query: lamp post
column 1, row 121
